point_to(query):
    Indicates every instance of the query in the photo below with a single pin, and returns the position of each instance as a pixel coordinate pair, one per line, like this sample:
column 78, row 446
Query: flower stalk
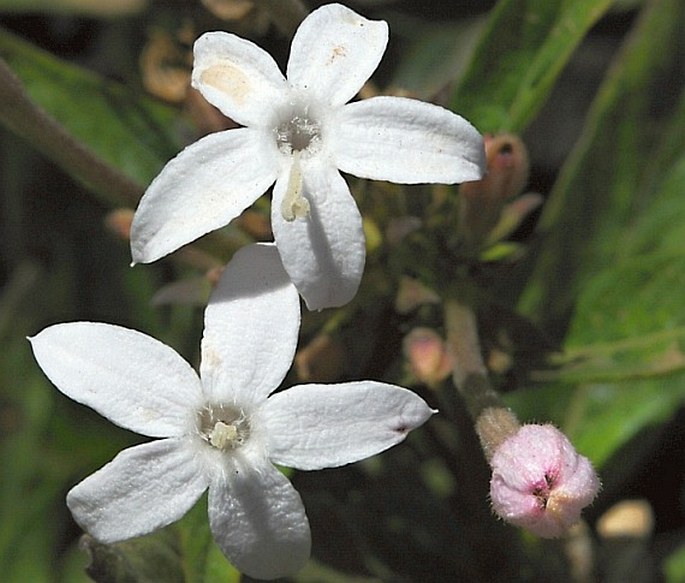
column 539, row 482
column 494, row 422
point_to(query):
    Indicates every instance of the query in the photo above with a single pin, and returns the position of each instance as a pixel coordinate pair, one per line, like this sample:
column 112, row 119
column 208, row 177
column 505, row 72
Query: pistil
column 295, row 205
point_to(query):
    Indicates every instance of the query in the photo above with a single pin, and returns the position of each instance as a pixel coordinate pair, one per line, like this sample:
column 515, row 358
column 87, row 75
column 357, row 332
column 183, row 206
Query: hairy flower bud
column 540, row 482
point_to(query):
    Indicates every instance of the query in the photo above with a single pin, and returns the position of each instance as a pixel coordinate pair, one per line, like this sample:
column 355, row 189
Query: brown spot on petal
column 337, row 52
column 229, row 80
column 211, row 358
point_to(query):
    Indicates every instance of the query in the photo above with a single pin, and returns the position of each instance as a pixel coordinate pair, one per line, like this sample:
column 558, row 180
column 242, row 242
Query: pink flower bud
column 119, row 222
column 481, row 201
column 540, row 482
column 508, row 169
column 428, row 358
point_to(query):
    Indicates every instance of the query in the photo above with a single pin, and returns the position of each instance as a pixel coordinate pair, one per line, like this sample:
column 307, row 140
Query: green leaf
column 626, row 343
column 599, row 418
column 30, row 483
column 674, row 566
column 183, row 552
column 615, row 168
column 627, row 339
column 661, row 230
column 623, row 369
column 520, row 55
column 148, row 559
column 129, row 131
column 201, row 559
column 438, row 54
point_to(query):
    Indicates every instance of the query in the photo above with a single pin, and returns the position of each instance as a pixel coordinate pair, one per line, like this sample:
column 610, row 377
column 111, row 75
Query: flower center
column 223, row 427
column 298, row 134
column 543, row 492
column 300, row 131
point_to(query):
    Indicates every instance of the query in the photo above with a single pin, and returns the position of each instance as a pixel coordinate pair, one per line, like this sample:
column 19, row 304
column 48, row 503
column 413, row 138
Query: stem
column 493, row 421
column 26, row 119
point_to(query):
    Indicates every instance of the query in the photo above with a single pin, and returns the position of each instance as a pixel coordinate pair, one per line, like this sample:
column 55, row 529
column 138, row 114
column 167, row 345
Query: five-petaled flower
column 540, row 482
column 221, row 430
column 300, row 132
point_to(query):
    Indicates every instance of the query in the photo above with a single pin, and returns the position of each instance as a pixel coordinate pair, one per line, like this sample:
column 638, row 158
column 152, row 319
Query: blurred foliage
column 140, row 133
column 101, row 9
column 597, row 345
column 622, row 272
column 520, row 54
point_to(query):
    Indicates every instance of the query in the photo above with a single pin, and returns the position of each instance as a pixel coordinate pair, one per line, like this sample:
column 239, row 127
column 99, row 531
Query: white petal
column 203, row 188
column 334, row 52
column 251, row 328
column 144, row 488
column 406, row 141
column 238, row 77
column 321, row 426
column 323, row 253
column 134, row 380
column 258, row 520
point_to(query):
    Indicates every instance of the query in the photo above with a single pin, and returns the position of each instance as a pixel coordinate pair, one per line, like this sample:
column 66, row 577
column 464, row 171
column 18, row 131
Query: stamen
column 294, row 205
column 223, row 436
column 223, row 426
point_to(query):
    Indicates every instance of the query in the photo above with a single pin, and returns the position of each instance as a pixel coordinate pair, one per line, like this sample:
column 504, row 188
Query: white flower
column 220, row 431
column 299, row 133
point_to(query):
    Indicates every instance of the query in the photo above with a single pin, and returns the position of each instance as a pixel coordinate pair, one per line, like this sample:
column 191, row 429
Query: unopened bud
column 119, row 222
column 627, row 519
column 165, row 67
column 507, row 169
column 427, row 355
column 625, row 532
column 540, row 482
column 481, row 201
